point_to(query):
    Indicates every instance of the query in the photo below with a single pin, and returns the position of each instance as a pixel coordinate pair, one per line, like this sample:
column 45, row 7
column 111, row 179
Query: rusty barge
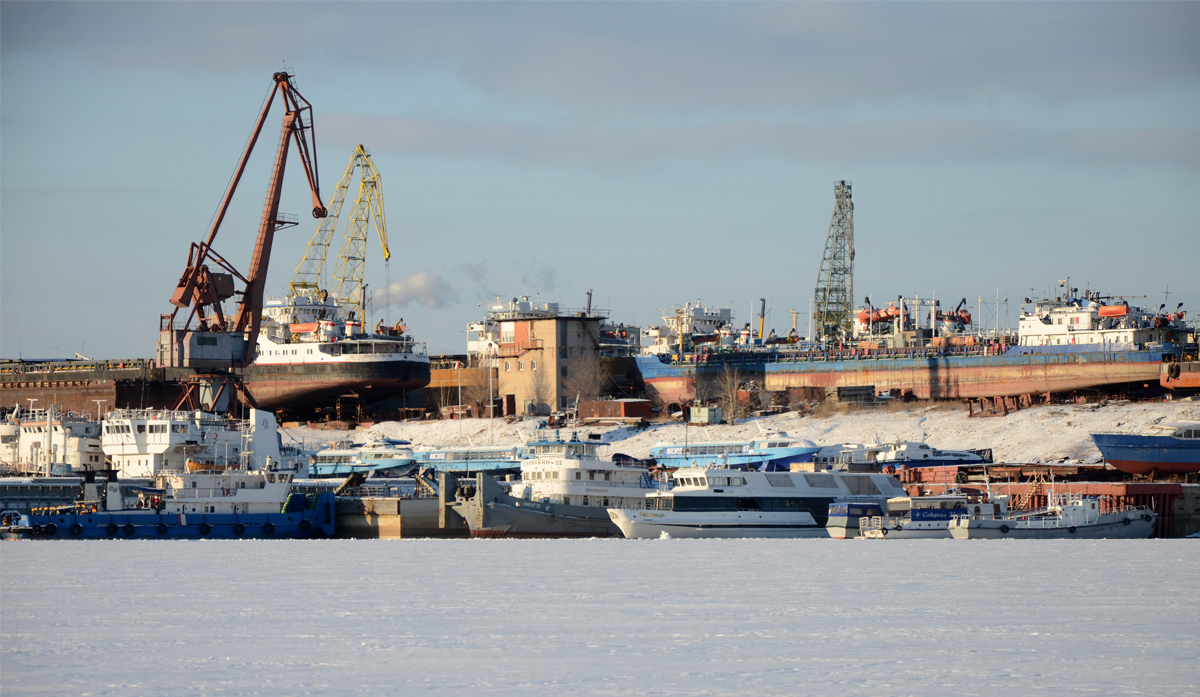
column 1065, row 345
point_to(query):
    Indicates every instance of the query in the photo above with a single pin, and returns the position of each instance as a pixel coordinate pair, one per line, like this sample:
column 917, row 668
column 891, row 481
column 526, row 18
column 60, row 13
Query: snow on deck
column 611, row 617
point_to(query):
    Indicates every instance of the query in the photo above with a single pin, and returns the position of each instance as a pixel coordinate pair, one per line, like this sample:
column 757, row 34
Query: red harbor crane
column 218, row 342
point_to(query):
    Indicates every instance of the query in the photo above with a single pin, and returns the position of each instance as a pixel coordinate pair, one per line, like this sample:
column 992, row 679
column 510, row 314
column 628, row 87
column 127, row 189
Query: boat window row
column 544, row 475
column 145, row 428
column 579, row 450
column 594, row 476
column 1187, row 433
column 468, row 455
column 716, row 450
column 333, row 459
column 601, row 501
column 373, row 347
column 712, row 481
column 766, row 504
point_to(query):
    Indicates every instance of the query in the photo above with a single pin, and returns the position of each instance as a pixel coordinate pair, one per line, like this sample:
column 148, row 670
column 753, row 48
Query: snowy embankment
column 590, row 617
column 1040, row 434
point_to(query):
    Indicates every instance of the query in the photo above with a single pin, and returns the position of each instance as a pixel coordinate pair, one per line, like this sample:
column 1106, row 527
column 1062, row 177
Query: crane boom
column 203, row 290
column 348, row 276
column 306, row 281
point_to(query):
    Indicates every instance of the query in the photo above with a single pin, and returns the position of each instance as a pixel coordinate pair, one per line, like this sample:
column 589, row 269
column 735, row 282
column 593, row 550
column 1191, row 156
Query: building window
column 533, row 365
column 506, row 366
column 520, row 365
column 564, row 371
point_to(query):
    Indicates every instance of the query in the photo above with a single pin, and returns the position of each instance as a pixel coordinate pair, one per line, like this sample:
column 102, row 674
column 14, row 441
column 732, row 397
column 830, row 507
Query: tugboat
column 182, row 505
column 1066, row 516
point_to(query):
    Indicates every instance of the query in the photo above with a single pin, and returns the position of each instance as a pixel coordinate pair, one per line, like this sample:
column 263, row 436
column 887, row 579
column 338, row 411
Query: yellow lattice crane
column 347, row 282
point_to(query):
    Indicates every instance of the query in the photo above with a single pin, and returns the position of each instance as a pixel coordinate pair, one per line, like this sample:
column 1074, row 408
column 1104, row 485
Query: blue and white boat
column 486, row 458
column 387, row 457
column 475, row 458
column 918, row 517
column 220, row 503
column 1168, row 448
column 773, row 452
column 898, row 455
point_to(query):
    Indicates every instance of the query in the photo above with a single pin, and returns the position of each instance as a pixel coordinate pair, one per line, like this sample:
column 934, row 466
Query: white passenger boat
column 735, row 503
column 1066, row 516
column 564, row 491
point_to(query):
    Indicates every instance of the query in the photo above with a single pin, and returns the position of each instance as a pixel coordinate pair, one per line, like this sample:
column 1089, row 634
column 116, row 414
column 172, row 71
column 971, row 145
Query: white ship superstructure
column 695, row 324
column 300, row 330
column 1087, row 320
column 141, row 443
column 569, row 473
column 46, row 442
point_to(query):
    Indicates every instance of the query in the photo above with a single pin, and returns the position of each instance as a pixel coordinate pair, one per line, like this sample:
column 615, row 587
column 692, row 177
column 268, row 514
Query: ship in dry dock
column 307, row 358
column 1076, row 342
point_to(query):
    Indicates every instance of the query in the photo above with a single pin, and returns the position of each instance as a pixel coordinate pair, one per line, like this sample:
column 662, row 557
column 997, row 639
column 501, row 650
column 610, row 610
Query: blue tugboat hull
column 138, row 524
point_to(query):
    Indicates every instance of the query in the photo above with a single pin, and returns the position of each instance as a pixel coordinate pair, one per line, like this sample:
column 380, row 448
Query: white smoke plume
column 422, row 288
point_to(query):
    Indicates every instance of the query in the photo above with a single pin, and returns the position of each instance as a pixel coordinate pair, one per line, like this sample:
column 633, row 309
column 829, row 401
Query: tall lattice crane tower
column 833, row 299
column 348, row 277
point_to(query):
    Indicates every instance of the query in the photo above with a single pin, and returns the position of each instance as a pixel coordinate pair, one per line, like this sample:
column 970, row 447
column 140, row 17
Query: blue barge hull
column 314, row 519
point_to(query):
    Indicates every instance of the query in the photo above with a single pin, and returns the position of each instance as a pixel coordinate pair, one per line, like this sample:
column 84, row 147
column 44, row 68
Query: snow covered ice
column 600, row 617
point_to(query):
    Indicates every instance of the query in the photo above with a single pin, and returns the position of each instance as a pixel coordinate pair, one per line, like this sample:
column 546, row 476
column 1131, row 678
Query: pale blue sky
column 654, row 152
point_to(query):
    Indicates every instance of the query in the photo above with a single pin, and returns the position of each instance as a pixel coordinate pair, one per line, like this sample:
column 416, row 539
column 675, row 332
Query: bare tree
column 703, row 387
column 586, row 377
column 477, row 393
column 442, row 397
column 541, row 387
column 728, row 384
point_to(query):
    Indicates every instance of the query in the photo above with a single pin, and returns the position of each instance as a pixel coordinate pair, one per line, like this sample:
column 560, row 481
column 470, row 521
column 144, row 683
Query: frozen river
column 551, row 617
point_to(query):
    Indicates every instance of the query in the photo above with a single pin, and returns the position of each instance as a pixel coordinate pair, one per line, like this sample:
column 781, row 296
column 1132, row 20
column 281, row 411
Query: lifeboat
column 193, row 466
column 1114, row 310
